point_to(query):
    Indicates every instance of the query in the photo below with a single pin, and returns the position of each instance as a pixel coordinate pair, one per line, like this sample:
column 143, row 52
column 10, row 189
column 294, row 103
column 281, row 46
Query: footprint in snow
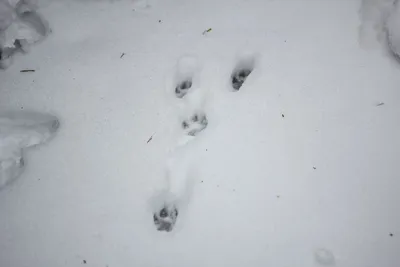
column 195, row 124
column 165, row 218
column 183, row 87
column 186, row 69
column 241, row 72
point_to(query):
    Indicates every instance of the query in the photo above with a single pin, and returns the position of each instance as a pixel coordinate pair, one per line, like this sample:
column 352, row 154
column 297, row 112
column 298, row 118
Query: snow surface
column 20, row 130
column 380, row 25
column 297, row 168
column 393, row 26
column 20, row 27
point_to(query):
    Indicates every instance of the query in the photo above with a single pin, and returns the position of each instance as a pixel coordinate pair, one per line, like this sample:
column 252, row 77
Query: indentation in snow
column 165, row 219
column 242, row 70
column 20, row 130
column 195, row 124
column 324, row 257
column 380, row 25
column 183, row 87
column 186, row 68
column 393, row 29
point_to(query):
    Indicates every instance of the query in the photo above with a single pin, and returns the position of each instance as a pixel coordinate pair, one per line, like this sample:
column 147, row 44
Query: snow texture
column 20, row 27
column 324, row 257
column 18, row 131
column 393, row 29
column 380, row 23
column 161, row 161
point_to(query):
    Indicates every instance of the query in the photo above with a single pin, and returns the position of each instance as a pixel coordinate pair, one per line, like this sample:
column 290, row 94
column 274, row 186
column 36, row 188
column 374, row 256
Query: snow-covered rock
column 19, row 130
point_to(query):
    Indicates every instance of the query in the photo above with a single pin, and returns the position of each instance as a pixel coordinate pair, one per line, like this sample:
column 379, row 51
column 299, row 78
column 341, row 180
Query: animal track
column 185, row 81
column 182, row 88
column 165, row 219
column 243, row 69
column 239, row 77
column 186, row 69
column 195, row 124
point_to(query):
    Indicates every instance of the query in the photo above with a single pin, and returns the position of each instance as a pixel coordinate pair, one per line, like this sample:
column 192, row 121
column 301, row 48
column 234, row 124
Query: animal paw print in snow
column 239, row 77
column 182, row 88
column 242, row 71
column 165, row 219
column 194, row 125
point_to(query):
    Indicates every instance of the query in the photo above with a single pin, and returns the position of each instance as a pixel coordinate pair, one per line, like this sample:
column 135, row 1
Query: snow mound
column 19, row 130
column 20, row 27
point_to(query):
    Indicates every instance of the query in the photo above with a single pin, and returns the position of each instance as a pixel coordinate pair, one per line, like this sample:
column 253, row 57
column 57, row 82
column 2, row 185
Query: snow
column 20, row 130
column 324, row 257
column 20, row 27
column 380, row 24
column 393, row 25
column 299, row 167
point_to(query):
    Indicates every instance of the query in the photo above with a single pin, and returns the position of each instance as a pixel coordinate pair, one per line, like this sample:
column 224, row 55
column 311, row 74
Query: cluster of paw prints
column 166, row 217
column 198, row 121
column 238, row 77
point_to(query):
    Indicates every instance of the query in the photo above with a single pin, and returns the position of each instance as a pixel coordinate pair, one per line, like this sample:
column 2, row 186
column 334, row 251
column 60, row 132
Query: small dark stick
column 206, row 31
column 122, row 55
column 27, row 71
column 151, row 138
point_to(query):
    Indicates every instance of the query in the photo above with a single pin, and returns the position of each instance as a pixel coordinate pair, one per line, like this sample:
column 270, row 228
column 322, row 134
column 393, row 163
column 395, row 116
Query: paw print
column 244, row 67
column 165, row 219
column 239, row 77
column 194, row 125
column 182, row 88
